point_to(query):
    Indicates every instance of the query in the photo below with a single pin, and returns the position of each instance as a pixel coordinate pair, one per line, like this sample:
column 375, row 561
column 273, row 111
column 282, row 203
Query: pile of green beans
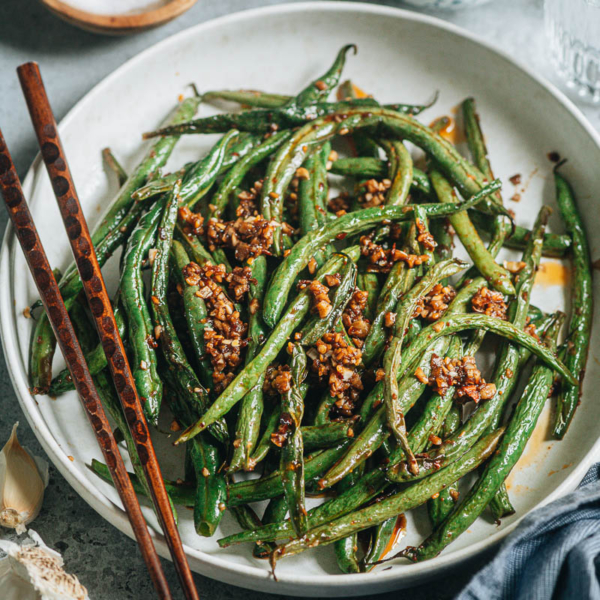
column 339, row 327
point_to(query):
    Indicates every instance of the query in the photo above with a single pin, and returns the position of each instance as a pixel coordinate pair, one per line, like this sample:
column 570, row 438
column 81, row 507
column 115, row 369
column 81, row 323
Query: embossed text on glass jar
column 573, row 31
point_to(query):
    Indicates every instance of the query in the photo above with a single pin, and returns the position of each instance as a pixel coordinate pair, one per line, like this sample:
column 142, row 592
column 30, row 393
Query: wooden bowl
column 118, row 24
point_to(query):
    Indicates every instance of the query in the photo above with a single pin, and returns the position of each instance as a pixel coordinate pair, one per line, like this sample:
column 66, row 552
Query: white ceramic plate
column 402, row 57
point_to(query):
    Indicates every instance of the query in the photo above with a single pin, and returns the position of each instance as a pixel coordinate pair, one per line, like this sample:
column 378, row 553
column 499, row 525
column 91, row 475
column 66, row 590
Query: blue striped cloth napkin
column 554, row 553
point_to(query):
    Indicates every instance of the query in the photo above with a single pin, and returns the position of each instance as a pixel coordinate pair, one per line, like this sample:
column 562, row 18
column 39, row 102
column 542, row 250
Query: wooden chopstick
column 27, row 235
column 99, row 303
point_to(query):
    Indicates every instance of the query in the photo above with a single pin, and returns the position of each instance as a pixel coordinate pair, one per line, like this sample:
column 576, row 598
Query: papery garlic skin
column 32, row 571
column 22, row 483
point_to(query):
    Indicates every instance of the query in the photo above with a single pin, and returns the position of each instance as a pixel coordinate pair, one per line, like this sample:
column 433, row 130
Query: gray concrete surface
column 73, row 61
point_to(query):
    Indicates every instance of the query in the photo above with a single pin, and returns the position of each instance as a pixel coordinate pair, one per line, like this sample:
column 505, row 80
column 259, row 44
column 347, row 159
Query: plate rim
column 113, row 513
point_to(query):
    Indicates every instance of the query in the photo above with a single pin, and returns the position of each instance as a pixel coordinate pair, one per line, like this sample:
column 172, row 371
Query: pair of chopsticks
column 100, row 307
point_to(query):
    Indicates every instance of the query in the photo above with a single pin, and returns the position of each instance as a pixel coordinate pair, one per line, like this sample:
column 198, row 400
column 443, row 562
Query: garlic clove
column 22, row 484
column 32, row 571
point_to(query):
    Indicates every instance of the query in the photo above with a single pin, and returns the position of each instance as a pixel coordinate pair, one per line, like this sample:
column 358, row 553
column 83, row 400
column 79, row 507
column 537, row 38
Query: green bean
column 365, row 167
column 470, row 239
column 509, row 451
column 316, row 437
column 42, row 348
column 139, row 323
column 255, row 490
column 442, row 233
column 369, row 167
column 424, row 245
column 308, row 190
column 400, row 279
column 197, row 178
column 411, row 497
column 248, row 422
column 235, row 176
column 195, row 313
column 476, row 143
column 202, row 174
column 262, row 121
column 322, row 416
column 161, row 185
column 236, row 148
column 345, row 554
column 440, row 507
column 248, row 519
column 320, row 88
column 317, row 326
column 355, row 222
column 264, row 443
column 369, row 282
column 322, row 184
column 384, row 539
column 452, row 422
column 555, row 245
column 348, row 90
column 501, row 505
column 193, row 247
column 268, row 100
column 347, row 548
column 276, row 511
column 160, row 278
column 292, row 451
column 312, row 196
column 114, row 165
column 204, row 462
column 391, row 363
column 362, row 447
column 578, row 338
column 41, row 351
column 248, row 98
column 362, row 144
column 297, row 111
column 248, row 378
column 211, row 486
column 401, row 171
column 84, row 330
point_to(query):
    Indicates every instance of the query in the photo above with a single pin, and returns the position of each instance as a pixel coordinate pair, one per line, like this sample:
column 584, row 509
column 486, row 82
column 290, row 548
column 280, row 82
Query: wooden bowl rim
column 153, row 17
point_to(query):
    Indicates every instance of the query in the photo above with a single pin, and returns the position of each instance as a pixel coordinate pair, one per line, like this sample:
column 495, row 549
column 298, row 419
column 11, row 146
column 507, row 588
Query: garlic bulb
column 32, row 571
column 22, row 483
